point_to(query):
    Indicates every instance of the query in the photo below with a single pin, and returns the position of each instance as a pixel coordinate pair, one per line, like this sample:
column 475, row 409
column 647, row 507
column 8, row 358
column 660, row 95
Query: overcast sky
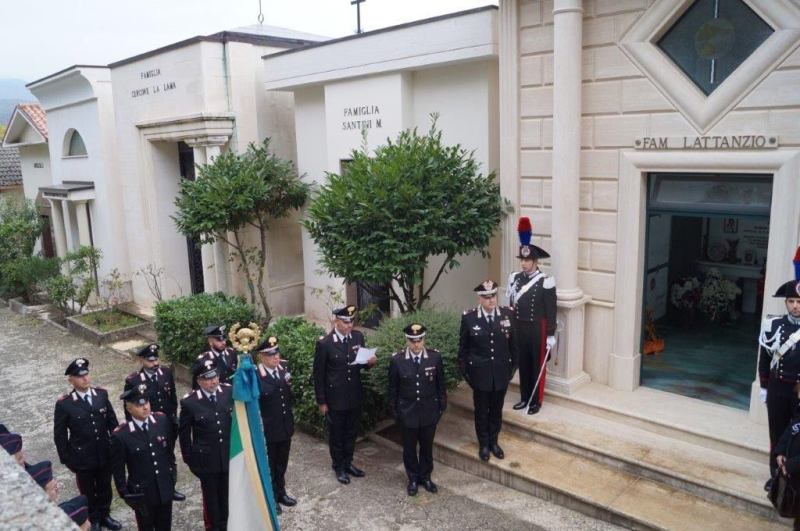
column 44, row 36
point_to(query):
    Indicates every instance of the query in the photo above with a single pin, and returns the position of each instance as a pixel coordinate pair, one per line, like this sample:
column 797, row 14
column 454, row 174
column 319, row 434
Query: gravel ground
column 33, row 356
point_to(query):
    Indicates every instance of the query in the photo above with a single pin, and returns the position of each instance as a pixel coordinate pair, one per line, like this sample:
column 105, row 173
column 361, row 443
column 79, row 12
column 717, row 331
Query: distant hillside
column 12, row 92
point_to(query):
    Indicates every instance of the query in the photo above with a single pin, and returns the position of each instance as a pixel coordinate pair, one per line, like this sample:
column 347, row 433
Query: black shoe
column 287, row 501
column 430, row 486
column 278, row 509
column 497, row 451
column 412, row 488
column 355, row 472
column 520, row 405
column 768, row 485
column 110, row 523
column 178, row 496
column 534, row 409
column 483, row 453
column 343, row 478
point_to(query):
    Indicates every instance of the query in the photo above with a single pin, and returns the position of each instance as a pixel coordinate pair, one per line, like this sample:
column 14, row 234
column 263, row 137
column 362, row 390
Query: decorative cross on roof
column 358, row 3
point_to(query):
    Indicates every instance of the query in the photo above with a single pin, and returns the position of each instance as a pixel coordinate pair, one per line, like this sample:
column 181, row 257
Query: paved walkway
column 33, row 356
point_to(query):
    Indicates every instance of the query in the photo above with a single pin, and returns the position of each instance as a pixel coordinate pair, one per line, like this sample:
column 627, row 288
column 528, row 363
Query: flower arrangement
column 714, row 299
column 685, row 293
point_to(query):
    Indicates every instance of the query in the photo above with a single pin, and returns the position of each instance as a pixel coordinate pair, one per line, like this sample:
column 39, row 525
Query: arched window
column 76, row 147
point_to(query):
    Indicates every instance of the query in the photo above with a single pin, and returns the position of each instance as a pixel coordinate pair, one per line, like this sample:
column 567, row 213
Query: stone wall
column 24, row 505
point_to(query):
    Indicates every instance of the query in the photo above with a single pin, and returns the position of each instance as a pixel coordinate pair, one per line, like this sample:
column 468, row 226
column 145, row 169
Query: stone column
column 220, row 248
column 509, row 133
column 206, row 251
column 57, row 223
column 566, row 373
column 82, row 214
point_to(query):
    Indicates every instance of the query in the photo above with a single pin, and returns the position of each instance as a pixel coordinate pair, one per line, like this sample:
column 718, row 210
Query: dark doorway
column 186, row 160
column 48, row 249
column 706, row 252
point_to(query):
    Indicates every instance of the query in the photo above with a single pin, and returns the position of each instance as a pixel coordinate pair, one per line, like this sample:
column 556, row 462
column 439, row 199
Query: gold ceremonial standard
column 244, row 339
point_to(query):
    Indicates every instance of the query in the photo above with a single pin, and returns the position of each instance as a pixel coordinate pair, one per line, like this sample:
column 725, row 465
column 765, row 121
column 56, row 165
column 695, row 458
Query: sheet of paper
column 363, row 355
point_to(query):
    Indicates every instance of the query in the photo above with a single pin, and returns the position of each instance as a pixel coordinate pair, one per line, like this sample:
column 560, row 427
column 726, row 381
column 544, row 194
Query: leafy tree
column 71, row 292
column 20, row 227
column 382, row 221
column 237, row 193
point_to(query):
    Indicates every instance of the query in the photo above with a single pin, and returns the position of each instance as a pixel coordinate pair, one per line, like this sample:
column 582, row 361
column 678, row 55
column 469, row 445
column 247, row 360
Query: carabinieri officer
column 204, row 431
column 417, row 399
column 532, row 294
column 779, row 362
column 145, row 447
column 339, row 391
column 224, row 357
column 83, row 422
column 487, row 359
column 275, row 404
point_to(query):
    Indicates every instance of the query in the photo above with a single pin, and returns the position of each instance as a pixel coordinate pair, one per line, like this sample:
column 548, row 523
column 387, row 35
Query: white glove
column 551, row 341
column 762, row 394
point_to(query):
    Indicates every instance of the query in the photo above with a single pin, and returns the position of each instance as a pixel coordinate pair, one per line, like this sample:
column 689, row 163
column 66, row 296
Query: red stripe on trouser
column 543, row 361
column 78, row 483
column 138, row 523
column 206, row 519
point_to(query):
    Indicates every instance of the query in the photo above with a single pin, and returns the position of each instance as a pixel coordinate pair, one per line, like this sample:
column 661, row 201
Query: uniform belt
column 774, row 374
column 527, row 320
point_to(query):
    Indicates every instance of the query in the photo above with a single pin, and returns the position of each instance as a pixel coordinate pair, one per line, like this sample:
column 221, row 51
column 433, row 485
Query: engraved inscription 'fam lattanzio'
column 707, row 142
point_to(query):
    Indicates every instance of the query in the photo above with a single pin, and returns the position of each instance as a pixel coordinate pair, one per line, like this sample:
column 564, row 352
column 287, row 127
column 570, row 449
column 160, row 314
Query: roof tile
column 36, row 115
column 10, row 168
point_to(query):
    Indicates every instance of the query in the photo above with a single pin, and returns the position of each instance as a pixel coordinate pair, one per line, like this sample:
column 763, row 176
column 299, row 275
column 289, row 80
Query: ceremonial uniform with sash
column 417, row 399
column 338, row 386
column 533, row 296
column 82, row 426
column 275, row 404
column 204, row 432
column 779, row 363
column 143, row 463
column 487, row 359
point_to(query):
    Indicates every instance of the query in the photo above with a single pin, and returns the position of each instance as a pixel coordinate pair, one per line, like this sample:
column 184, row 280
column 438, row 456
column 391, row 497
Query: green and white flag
column 251, row 505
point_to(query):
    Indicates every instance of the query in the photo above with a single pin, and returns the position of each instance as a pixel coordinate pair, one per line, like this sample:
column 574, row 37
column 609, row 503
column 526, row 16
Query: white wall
column 33, row 178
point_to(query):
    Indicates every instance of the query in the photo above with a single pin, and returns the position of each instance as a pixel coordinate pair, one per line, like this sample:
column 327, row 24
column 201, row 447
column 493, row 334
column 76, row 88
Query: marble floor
column 711, row 362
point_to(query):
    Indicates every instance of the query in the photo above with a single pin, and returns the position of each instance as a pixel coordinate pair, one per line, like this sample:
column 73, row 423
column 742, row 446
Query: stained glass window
column 712, row 39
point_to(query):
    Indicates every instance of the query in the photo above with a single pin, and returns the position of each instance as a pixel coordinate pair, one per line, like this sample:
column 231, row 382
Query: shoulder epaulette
column 187, row 395
column 119, row 428
column 100, row 389
column 399, row 353
column 225, row 384
column 62, row 397
column 158, row 414
column 132, row 375
column 432, row 350
column 471, row 310
column 549, row 282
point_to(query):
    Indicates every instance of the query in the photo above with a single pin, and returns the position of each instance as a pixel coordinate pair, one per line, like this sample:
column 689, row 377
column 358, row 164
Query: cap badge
column 416, row 328
column 208, row 364
column 487, row 285
column 142, row 388
column 79, row 362
column 525, row 251
column 153, row 348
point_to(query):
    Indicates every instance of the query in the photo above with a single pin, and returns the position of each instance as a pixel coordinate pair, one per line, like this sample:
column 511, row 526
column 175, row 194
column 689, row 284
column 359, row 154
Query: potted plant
column 684, row 295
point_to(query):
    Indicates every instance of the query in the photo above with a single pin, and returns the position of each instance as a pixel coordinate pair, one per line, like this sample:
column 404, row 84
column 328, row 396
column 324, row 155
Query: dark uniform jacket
column 336, row 383
column 538, row 303
column 204, row 430
column 149, row 458
column 161, row 394
column 487, row 357
column 417, row 396
column 226, row 363
column 275, row 404
column 774, row 333
column 789, row 446
column 81, row 432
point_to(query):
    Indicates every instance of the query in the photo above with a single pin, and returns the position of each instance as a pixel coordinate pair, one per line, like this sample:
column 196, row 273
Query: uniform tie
column 416, row 361
column 86, row 399
column 276, row 375
column 213, row 398
column 491, row 320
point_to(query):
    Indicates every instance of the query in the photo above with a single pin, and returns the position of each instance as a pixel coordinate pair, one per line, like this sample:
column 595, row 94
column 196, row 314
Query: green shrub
column 23, row 276
column 180, row 322
column 442, row 335
column 298, row 339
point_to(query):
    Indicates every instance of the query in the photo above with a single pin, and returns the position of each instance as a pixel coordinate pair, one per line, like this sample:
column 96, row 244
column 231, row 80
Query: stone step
column 702, row 423
column 149, row 334
column 709, row 474
column 585, row 485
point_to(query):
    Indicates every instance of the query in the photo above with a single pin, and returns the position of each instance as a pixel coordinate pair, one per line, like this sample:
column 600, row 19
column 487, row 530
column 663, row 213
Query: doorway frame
column 634, row 166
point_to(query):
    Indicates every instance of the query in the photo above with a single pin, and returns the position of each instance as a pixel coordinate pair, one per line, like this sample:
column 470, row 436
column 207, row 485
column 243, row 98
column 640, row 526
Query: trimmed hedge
column 180, row 322
column 442, row 335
